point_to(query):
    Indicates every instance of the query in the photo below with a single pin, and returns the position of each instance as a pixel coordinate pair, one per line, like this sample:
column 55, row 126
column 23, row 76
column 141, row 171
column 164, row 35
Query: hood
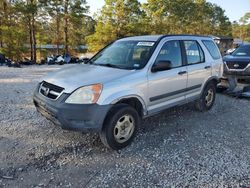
column 77, row 76
column 237, row 58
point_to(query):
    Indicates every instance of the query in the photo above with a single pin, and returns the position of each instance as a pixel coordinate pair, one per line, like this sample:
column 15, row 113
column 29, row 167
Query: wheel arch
column 213, row 79
column 134, row 101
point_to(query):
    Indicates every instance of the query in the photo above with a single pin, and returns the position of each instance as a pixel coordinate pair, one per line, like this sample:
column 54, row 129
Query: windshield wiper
column 89, row 62
column 110, row 65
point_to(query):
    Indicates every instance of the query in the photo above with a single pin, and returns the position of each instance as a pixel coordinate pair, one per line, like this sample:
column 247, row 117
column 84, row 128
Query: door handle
column 182, row 72
column 207, row 67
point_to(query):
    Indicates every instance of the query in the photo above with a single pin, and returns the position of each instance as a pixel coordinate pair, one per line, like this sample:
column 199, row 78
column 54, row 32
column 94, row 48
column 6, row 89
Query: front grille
column 51, row 91
column 237, row 65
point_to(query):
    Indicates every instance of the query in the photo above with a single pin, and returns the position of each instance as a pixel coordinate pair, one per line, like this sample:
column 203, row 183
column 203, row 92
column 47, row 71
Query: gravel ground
column 179, row 147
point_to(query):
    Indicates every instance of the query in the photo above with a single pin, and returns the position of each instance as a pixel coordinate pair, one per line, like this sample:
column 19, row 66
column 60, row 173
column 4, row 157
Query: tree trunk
column 33, row 33
column 31, row 40
column 34, row 38
column 3, row 20
column 1, row 35
column 66, row 5
column 57, row 31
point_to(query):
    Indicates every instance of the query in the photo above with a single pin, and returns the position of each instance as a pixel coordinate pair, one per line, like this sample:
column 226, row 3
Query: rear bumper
column 77, row 117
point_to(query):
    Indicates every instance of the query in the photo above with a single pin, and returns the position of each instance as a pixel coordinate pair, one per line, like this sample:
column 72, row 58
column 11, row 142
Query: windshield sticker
column 136, row 65
column 145, row 44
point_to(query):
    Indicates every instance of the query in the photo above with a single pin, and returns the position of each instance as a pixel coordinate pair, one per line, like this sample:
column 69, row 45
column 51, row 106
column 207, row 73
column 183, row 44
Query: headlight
column 85, row 95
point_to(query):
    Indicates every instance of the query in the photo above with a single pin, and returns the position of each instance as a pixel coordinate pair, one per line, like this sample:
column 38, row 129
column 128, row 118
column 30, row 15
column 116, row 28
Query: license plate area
column 46, row 113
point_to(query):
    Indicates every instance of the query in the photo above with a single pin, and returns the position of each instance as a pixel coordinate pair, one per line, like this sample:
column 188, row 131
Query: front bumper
column 239, row 73
column 77, row 117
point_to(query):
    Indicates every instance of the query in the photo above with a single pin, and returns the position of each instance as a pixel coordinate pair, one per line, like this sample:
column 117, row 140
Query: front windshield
column 242, row 51
column 125, row 55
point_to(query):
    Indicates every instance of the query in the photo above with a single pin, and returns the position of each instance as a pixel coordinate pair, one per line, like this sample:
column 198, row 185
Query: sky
column 235, row 9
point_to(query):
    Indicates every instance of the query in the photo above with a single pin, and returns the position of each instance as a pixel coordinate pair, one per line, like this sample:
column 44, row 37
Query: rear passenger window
column 212, row 48
column 171, row 51
column 194, row 52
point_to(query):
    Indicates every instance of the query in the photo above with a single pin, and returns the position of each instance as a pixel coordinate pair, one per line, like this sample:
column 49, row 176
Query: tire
column 207, row 98
column 120, row 127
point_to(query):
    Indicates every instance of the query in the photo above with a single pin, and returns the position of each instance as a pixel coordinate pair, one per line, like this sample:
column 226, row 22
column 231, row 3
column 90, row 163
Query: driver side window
column 171, row 51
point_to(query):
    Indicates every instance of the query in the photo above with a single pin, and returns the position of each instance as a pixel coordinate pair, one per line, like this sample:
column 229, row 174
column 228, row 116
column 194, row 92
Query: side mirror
column 161, row 66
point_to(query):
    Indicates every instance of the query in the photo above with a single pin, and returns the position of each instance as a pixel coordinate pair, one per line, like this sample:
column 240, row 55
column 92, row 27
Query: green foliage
column 27, row 23
column 80, row 25
column 13, row 40
column 30, row 23
column 186, row 16
column 245, row 19
column 12, row 32
column 241, row 29
column 69, row 24
column 118, row 18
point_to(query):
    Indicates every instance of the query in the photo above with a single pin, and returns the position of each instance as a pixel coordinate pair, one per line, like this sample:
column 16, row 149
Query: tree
column 54, row 10
column 28, row 23
column 120, row 18
column 28, row 11
column 3, row 18
column 80, row 24
column 241, row 29
column 156, row 16
column 117, row 19
column 220, row 23
column 12, row 32
column 73, row 15
column 186, row 16
column 73, row 12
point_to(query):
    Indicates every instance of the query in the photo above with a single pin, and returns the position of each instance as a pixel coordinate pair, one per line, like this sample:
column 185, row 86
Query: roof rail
column 186, row 35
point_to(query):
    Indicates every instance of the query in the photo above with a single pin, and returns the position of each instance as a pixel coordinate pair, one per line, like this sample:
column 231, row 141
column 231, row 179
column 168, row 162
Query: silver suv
column 129, row 80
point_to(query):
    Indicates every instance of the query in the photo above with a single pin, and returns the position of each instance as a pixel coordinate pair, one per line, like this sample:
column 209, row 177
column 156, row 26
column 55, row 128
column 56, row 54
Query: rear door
column 199, row 70
column 215, row 57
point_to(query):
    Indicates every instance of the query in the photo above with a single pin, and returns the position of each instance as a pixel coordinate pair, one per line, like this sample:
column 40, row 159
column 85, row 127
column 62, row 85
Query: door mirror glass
column 161, row 66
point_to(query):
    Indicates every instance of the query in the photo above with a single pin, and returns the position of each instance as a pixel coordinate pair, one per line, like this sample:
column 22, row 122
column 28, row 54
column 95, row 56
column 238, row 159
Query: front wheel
column 207, row 98
column 120, row 127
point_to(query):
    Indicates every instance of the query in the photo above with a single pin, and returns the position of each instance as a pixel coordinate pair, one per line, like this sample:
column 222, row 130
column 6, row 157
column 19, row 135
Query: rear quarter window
column 212, row 48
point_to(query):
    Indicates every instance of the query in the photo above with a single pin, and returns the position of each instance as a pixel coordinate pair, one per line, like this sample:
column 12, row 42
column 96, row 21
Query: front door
column 167, row 88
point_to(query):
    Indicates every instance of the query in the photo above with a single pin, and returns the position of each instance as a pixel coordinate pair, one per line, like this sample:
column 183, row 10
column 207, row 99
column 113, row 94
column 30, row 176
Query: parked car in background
column 11, row 63
column 129, row 80
column 59, row 59
column 42, row 62
column 74, row 60
column 26, row 61
column 224, row 43
column 62, row 59
column 231, row 50
column 238, row 64
column 50, row 60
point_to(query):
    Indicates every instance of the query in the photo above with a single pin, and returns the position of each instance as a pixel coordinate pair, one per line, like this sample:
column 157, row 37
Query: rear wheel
column 207, row 98
column 120, row 127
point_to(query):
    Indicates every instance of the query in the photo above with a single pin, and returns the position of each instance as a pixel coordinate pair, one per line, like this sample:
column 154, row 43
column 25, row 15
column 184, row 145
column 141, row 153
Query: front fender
column 116, row 97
